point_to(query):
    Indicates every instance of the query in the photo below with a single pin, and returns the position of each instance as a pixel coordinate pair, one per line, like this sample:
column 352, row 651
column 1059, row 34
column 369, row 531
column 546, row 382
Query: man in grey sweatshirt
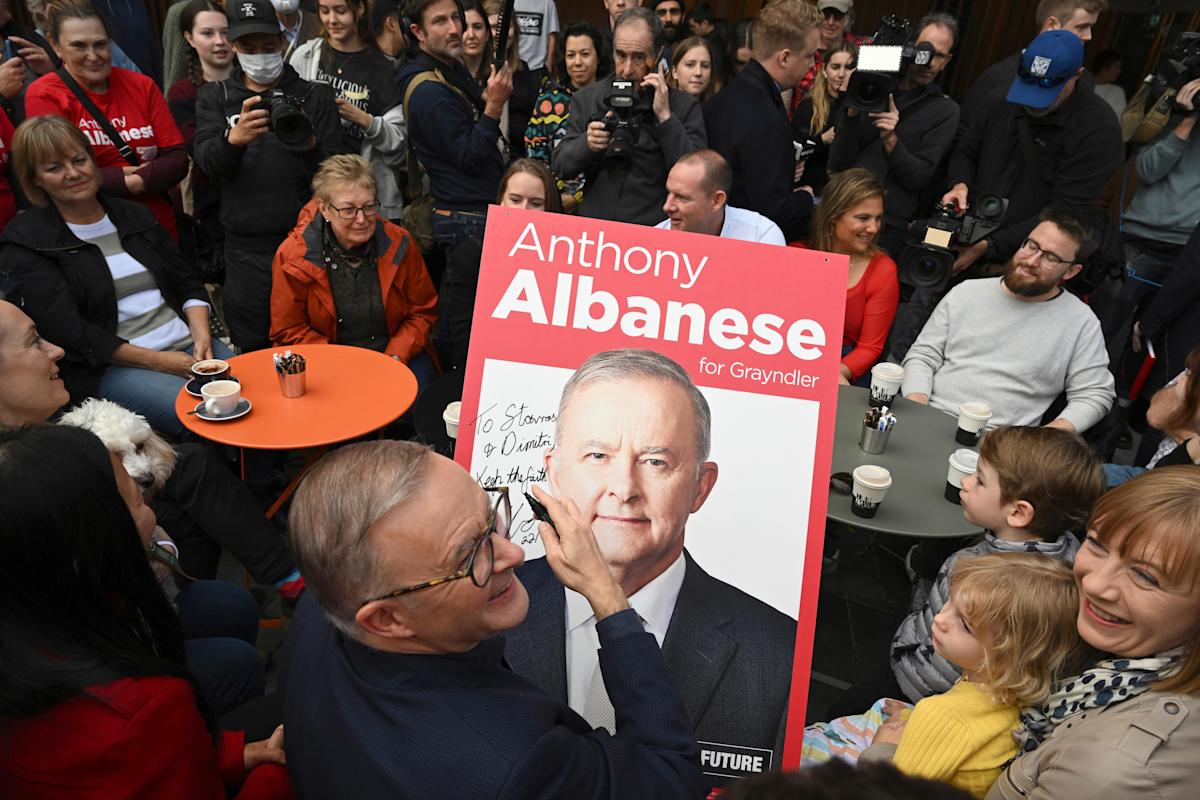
column 1018, row 341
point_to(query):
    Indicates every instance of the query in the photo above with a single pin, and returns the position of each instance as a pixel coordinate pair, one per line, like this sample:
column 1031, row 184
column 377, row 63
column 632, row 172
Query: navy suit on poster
column 728, row 654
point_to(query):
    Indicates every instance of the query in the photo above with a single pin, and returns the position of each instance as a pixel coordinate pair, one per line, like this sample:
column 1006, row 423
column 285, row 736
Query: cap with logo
column 1046, row 65
column 840, row 6
column 250, row 16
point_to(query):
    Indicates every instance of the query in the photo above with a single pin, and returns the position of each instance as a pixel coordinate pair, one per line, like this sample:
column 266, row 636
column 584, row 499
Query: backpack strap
column 435, row 75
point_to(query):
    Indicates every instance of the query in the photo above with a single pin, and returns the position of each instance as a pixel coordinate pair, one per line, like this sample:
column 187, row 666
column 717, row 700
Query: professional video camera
column 927, row 259
column 881, row 64
column 1180, row 62
column 287, row 120
column 623, row 124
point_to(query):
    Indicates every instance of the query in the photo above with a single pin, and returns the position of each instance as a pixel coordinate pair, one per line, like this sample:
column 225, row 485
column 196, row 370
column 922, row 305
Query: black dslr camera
column 927, row 260
column 882, row 64
column 623, row 124
column 287, row 120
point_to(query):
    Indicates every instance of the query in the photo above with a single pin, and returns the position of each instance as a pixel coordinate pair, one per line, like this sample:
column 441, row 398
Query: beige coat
column 1146, row 747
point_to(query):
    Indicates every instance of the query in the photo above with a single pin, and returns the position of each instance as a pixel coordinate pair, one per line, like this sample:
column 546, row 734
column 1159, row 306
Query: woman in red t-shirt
column 848, row 222
column 132, row 102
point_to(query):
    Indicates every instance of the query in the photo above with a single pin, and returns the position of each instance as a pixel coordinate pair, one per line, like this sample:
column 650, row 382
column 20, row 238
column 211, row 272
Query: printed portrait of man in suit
column 632, row 452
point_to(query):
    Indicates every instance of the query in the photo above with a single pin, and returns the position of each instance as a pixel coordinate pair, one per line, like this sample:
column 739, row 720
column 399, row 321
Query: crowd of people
column 271, row 173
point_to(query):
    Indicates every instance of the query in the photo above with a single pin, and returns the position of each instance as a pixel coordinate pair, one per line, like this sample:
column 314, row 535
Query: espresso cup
column 973, row 417
column 870, row 486
column 221, row 398
column 450, row 417
column 886, row 378
column 962, row 463
column 209, row 370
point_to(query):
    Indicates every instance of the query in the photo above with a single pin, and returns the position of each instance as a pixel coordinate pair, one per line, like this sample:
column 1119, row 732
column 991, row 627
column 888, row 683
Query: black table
column 916, row 456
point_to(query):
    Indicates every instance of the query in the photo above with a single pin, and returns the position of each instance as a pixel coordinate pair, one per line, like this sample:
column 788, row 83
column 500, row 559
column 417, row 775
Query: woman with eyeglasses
column 345, row 276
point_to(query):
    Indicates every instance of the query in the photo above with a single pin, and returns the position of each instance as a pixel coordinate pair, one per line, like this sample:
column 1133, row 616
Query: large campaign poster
column 758, row 328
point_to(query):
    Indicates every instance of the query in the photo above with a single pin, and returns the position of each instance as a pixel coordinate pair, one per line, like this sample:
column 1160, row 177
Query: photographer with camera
column 627, row 131
column 904, row 143
column 748, row 125
column 262, row 132
column 1160, row 218
column 1047, row 142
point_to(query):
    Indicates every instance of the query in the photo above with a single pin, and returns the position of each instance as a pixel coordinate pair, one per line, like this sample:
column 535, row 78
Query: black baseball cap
column 251, row 16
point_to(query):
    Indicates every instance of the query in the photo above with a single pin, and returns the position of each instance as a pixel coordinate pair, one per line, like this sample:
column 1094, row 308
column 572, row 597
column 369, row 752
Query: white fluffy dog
column 147, row 457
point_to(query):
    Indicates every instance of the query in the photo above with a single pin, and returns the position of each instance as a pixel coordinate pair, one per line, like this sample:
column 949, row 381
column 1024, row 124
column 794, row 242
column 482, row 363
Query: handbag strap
column 101, row 119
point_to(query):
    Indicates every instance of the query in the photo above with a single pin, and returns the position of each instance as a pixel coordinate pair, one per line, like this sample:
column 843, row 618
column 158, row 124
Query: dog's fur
column 147, row 457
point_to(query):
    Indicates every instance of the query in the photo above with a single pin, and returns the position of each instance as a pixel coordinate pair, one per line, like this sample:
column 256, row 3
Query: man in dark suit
column 394, row 681
column 631, row 455
column 748, row 125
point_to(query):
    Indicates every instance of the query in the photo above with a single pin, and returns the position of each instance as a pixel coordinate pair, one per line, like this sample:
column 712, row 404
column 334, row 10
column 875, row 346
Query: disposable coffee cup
column 221, row 398
column 886, row 378
column 450, row 417
column 973, row 417
column 210, row 369
column 870, row 486
column 962, row 463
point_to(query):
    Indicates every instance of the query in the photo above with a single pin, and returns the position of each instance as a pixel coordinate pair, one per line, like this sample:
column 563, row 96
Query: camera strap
column 122, row 146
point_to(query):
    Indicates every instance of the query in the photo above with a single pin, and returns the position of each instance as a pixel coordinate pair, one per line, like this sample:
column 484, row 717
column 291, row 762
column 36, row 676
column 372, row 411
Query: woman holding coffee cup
column 848, row 222
column 103, row 279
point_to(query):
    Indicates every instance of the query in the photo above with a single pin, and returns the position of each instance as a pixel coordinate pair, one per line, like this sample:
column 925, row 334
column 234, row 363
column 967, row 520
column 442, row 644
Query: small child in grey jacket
column 1032, row 486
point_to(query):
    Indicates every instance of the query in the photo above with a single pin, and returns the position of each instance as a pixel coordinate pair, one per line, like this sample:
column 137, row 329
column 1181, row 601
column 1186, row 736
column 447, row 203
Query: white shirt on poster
column 655, row 605
column 745, row 226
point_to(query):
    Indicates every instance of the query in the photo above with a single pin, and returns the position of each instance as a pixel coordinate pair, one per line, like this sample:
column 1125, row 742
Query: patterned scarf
column 1112, row 680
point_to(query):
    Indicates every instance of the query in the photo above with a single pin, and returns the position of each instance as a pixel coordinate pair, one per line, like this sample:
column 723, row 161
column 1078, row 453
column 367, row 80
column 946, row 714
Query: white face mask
column 285, row 6
column 262, row 68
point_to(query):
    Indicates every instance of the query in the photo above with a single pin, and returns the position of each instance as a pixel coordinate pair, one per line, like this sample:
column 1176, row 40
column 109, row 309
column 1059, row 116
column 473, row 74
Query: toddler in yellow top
column 1010, row 625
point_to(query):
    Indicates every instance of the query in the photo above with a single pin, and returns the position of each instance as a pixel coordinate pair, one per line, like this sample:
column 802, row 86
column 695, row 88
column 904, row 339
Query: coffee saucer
column 193, row 388
column 243, row 408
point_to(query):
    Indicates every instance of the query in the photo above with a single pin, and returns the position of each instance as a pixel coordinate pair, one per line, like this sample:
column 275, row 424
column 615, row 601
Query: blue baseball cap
column 1046, row 65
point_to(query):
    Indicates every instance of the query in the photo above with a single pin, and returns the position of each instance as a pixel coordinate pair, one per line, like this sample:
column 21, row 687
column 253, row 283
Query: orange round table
column 349, row 392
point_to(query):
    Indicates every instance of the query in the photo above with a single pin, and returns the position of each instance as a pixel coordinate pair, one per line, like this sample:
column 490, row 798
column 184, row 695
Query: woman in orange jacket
column 345, row 276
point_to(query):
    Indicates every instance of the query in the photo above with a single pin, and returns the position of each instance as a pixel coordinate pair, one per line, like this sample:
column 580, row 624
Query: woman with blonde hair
column 1128, row 726
column 817, row 114
column 345, row 276
column 847, row 222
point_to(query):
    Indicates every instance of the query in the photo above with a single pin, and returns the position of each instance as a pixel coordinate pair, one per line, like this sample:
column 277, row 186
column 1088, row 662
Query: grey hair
column 645, row 15
column 344, row 495
column 942, row 20
column 618, row 365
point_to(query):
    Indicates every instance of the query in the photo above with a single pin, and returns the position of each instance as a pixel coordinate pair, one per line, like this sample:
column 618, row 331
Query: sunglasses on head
column 1046, row 83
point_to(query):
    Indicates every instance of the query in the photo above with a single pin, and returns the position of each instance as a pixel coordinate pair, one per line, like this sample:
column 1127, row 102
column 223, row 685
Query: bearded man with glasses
column 1019, row 341
column 394, row 678
column 345, row 276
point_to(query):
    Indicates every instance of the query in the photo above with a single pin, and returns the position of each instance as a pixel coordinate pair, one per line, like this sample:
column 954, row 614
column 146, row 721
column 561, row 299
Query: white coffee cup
column 973, row 415
column 962, row 464
column 450, row 417
column 221, row 398
column 886, row 378
column 871, row 484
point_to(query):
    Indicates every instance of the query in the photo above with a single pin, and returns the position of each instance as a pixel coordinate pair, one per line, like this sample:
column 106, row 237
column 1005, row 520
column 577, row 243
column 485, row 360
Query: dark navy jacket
column 363, row 723
column 455, row 143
